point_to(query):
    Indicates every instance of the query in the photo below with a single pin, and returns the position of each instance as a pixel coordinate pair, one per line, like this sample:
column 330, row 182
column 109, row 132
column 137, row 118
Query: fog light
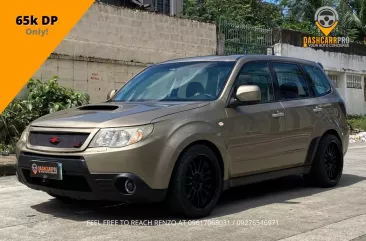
column 130, row 186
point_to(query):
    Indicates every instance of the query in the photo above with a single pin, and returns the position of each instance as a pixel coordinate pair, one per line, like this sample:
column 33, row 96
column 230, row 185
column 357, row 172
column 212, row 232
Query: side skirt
column 240, row 181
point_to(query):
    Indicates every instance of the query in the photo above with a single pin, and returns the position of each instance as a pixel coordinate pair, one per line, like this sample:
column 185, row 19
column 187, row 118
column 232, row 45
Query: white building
column 348, row 72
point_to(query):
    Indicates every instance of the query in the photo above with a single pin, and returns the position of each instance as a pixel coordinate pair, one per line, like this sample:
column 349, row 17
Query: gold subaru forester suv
column 184, row 130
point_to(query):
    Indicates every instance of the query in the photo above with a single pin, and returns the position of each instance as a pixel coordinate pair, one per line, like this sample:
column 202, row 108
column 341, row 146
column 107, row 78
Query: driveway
column 283, row 209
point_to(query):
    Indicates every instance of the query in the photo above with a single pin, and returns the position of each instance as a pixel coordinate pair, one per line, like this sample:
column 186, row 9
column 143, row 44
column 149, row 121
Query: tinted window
column 184, row 81
column 257, row 73
column 320, row 81
column 292, row 83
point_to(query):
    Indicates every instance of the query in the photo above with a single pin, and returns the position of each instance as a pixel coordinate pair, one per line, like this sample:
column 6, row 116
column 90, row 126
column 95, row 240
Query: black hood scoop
column 99, row 107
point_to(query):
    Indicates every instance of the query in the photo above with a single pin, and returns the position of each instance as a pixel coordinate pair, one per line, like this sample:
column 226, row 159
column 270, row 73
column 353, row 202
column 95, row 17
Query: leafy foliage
column 51, row 97
column 352, row 16
column 43, row 98
column 357, row 122
column 253, row 12
column 287, row 14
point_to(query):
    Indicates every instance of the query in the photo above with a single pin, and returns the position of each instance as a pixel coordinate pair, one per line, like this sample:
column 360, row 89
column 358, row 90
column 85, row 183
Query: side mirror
column 248, row 93
column 110, row 94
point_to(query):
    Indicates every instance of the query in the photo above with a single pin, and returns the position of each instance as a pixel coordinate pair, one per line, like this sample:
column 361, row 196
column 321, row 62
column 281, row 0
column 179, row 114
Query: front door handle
column 317, row 109
column 278, row 114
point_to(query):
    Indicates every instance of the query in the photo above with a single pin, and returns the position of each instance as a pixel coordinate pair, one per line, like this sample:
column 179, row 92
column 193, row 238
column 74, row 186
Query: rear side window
column 292, row 83
column 319, row 80
column 257, row 73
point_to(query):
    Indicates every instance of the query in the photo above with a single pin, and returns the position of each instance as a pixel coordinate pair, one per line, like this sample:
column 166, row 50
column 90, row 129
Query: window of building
column 291, row 81
column 354, row 81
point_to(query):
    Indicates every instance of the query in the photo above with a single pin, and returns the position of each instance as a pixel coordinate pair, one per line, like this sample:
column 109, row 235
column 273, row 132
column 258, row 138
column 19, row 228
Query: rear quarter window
column 320, row 82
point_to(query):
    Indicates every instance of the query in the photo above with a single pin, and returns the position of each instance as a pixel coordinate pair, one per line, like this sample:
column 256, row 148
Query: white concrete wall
column 109, row 45
column 335, row 63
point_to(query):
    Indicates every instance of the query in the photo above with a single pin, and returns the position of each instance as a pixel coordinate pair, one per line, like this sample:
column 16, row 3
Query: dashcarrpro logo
column 326, row 19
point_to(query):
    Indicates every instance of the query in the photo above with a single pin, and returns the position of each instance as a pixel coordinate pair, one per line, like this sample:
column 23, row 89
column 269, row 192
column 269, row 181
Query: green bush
column 43, row 98
column 357, row 122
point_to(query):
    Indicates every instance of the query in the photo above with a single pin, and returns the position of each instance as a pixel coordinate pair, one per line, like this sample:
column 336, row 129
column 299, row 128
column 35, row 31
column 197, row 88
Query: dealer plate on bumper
column 46, row 170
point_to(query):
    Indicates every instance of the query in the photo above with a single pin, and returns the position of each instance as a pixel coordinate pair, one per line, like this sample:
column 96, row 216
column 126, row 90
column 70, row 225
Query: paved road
column 297, row 213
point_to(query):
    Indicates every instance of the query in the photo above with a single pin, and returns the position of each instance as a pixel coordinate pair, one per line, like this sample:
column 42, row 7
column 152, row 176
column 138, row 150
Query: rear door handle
column 318, row 109
column 278, row 114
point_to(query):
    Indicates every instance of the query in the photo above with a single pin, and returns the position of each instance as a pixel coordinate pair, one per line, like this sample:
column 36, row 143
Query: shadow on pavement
column 235, row 200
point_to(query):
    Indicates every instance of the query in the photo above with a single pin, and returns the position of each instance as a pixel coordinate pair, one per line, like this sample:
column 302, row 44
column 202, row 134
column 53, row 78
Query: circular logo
column 326, row 16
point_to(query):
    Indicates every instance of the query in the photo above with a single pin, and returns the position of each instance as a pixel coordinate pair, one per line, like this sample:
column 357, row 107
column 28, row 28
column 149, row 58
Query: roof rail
column 320, row 65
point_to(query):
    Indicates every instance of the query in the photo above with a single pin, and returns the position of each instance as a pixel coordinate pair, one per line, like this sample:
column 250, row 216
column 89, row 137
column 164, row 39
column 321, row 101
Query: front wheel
column 327, row 167
column 196, row 183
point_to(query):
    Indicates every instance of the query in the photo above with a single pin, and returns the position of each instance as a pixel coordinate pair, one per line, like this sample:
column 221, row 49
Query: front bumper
column 149, row 159
column 79, row 183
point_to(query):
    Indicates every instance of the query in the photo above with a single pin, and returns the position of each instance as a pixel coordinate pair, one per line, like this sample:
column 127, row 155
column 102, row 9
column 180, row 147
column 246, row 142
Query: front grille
column 57, row 139
column 68, row 182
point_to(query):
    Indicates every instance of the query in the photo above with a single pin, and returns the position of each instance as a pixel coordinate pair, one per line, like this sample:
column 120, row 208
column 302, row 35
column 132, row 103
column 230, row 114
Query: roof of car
column 230, row 58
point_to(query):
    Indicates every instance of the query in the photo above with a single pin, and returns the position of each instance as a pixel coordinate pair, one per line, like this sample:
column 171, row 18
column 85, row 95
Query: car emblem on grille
column 55, row 140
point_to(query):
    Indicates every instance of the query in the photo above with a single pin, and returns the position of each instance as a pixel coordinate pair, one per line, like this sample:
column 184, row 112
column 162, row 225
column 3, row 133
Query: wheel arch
column 210, row 145
column 313, row 147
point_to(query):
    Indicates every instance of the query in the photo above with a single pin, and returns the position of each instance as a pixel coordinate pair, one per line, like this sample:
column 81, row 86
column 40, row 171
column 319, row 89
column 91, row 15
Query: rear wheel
column 327, row 166
column 196, row 183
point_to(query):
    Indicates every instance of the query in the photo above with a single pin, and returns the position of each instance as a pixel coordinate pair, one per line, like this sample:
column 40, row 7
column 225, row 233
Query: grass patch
column 357, row 122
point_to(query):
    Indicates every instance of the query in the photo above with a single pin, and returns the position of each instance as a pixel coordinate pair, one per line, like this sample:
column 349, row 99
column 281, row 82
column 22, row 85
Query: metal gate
column 240, row 38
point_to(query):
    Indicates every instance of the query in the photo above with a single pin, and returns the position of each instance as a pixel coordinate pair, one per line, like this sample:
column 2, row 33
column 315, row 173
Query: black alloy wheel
column 196, row 183
column 332, row 161
column 327, row 166
column 200, row 182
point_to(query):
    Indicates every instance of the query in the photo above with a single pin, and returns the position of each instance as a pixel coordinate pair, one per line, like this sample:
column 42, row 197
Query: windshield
column 185, row 81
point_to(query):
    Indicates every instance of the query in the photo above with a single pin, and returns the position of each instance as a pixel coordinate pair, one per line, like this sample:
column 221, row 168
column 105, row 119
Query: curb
column 7, row 169
column 7, row 165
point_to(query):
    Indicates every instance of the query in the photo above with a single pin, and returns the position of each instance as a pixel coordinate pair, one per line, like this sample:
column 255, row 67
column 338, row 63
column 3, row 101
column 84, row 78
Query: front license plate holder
column 46, row 169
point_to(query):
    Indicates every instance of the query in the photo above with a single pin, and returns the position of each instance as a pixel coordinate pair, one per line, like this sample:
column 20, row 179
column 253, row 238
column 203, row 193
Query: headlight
column 24, row 136
column 119, row 137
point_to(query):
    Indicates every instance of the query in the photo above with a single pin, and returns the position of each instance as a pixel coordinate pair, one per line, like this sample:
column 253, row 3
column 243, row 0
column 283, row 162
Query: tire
column 327, row 167
column 196, row 183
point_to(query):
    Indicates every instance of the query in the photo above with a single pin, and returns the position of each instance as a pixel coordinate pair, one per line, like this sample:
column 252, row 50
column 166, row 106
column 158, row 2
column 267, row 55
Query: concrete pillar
column 220, row 44
column 277, row 49
column 176, row 8
column 364, row 94
column 342, row 83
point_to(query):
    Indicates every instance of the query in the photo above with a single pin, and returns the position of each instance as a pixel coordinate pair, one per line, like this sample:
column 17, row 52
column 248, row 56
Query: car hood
column 113, row 114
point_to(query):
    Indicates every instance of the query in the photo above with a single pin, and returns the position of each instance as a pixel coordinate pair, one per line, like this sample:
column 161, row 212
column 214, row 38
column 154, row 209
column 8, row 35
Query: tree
column 299, row 15
column 352, row 18
column 253, row 12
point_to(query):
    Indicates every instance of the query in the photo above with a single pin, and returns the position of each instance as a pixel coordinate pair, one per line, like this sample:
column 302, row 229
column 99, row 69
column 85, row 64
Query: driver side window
column 257, row 73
